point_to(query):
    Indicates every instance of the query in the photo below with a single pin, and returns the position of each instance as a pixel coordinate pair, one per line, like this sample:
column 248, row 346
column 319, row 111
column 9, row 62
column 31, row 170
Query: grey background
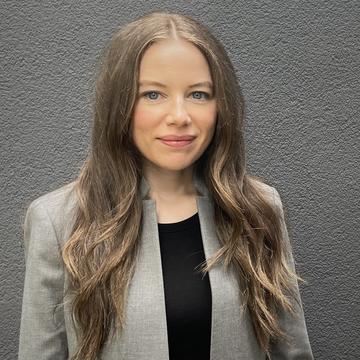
column 298, row 63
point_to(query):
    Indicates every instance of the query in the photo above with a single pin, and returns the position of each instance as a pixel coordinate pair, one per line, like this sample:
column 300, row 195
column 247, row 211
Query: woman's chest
column 145, row 335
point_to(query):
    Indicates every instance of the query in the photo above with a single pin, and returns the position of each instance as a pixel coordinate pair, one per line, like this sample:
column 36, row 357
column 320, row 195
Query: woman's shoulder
column 265, row 189
column 269, row 192
column 57, row 199
column 59, row 205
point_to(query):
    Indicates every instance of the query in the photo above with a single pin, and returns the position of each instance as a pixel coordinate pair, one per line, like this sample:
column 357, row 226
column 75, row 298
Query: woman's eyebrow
column 203, row 83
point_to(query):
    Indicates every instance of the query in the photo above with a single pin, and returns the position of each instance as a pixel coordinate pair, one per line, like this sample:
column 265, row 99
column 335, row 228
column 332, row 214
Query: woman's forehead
column 173, row 58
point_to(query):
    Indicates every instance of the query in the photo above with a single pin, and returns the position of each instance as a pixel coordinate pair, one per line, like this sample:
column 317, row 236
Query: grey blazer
column 46, row 331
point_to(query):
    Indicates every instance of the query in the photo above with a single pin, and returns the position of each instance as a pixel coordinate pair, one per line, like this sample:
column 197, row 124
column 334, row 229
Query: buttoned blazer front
column 47, row 332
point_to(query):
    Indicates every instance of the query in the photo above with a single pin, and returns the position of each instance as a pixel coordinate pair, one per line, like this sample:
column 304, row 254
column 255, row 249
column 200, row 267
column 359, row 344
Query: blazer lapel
column 232, row 335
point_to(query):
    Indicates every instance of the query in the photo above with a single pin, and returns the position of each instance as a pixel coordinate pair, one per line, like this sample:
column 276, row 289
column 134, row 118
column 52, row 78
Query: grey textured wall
column 298, row 63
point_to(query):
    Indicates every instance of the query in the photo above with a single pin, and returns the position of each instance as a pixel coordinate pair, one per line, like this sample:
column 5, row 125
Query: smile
column 176, row 143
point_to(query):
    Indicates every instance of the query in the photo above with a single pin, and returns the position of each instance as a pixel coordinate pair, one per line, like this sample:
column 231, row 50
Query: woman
column 164, row 247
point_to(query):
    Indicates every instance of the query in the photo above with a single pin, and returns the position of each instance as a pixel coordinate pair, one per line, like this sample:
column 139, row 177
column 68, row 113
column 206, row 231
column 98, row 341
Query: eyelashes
column 203, row 95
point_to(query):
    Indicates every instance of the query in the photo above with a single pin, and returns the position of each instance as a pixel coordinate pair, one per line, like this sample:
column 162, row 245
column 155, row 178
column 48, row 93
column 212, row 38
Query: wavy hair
column 100, row 255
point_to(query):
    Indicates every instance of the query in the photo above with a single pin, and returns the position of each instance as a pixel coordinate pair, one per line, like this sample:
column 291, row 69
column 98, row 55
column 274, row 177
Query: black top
column 187, row 295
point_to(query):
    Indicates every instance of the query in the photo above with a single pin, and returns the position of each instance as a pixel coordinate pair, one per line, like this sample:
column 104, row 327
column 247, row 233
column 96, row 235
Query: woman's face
column 175, row 98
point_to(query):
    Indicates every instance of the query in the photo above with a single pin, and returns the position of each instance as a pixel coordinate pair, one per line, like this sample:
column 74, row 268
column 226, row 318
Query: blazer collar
column 197, row 180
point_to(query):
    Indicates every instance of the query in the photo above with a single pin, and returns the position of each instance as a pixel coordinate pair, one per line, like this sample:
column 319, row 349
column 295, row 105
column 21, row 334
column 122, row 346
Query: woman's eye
column 200, row 95
column 151, row 95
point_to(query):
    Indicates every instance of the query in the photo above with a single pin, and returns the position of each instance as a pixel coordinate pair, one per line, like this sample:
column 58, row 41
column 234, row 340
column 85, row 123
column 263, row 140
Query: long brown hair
column 100, row 254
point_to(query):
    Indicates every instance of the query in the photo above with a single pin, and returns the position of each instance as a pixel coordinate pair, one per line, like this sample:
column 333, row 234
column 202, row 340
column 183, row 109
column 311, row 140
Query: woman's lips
column 177, row 143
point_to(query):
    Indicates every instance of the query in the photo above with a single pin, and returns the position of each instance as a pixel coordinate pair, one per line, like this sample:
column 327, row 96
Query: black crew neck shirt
column 187, row 294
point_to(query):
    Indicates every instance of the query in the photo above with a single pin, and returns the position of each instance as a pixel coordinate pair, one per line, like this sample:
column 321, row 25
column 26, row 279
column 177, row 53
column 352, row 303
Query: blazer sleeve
column 42, row 329
column 294, row 327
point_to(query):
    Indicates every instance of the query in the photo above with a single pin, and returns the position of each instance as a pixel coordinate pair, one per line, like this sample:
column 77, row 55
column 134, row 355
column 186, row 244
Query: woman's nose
column 178, row 112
